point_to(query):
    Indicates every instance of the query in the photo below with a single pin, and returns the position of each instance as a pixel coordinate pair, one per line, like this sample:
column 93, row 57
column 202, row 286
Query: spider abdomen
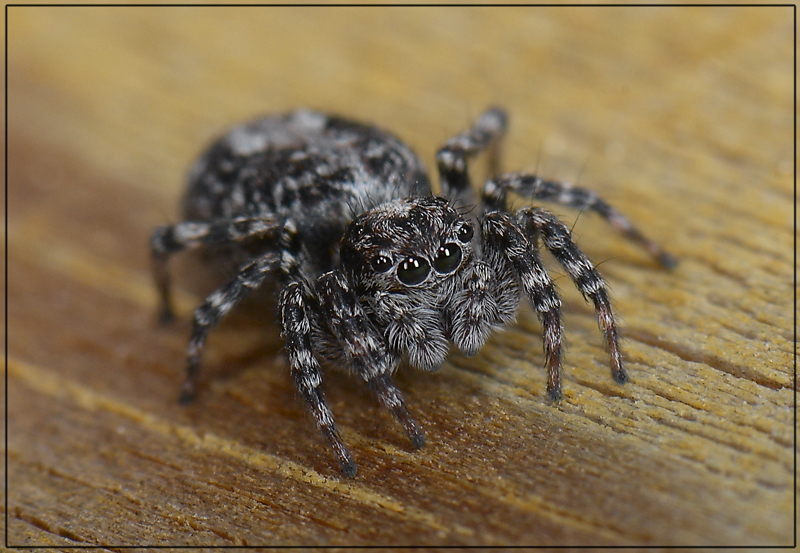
column 315, row 170
column 318, row 170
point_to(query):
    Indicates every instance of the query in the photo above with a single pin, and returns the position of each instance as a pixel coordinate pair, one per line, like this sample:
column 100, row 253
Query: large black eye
column 465, row 233
column 447, row 259
column 381, row 264
column 413, row 270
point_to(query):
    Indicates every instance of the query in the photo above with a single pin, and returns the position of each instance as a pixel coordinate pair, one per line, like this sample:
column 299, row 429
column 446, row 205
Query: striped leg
column 556, row 237
column 451, row 159
column 391, row 399
column 505, row 243
column 188, row 235
column 306, row 371
column 531, row 186
column 217, row 305
column 364, row 348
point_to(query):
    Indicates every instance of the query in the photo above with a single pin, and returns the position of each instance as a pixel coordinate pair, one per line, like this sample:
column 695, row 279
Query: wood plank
column 680, row 117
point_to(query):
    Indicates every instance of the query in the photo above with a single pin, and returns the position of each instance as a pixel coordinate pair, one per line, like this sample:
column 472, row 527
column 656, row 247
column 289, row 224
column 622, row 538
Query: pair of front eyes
column 415, row 269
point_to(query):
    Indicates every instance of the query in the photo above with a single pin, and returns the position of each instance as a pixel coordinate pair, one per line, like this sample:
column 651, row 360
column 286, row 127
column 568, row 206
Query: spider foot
column 349, row 469
column 415, row 433
column 343, row 455
column 667, row 261
column 166, row 316
column 554, row 393
column 391, row 398
column 418, row 440
column 619, row 374
column 188, row 392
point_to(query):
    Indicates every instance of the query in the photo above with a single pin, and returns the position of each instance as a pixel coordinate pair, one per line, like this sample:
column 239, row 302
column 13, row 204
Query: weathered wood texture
column 680, row 117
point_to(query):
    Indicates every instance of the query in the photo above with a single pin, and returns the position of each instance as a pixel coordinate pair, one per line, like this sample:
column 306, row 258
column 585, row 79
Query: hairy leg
column 306, row 371
column 531, row 186
column 217, row 305
column 452, row 158
column 557, row 239
column 188, row 235
column 363, row 347
column 507, row 243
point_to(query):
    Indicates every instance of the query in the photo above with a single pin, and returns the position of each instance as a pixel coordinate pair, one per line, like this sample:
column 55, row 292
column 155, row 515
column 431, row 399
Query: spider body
column 373, row 269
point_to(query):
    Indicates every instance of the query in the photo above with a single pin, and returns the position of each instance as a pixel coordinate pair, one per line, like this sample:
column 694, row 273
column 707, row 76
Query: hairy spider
column 374, row 270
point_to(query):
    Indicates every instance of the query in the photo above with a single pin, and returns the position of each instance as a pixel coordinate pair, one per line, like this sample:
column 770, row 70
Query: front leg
column 509, row 248
column 557, row 240
column 306, row 371
column 363, row 347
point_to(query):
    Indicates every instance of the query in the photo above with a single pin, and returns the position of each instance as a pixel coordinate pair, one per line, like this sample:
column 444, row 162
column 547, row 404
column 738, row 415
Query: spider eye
column 413, row 270
column 448, row 259
column 465, row 233
column 381, row 264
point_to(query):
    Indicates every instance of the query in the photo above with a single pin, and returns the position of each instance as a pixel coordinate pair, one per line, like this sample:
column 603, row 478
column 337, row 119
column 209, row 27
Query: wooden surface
column 681, row 118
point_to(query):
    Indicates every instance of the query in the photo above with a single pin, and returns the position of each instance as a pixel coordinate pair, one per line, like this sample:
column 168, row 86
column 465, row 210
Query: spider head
column 408, row 247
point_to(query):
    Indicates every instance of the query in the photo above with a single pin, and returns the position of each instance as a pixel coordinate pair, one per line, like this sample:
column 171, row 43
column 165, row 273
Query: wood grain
column 680, row 117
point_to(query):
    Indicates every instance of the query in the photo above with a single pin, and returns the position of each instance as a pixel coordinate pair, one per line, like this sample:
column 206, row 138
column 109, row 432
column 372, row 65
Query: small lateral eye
column 413, row 270
column 465, row 233
column 381, row 264
column 447, row 259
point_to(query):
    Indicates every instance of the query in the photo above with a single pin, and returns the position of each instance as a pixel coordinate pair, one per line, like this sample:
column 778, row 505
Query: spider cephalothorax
column 374, row 270
column 409, row 262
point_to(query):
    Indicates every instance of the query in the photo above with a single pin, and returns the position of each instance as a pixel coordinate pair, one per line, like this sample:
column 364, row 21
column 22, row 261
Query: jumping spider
column 374, row 270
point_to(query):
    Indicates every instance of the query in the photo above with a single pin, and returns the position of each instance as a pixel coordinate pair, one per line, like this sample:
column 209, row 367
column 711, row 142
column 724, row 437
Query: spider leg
column 391, row 398
column 451, row 159
column 557, row 240
column 188, row 235
column 216, row 306
column 506, row 244
column 306, row 371
column 364, row 348
column 531, row 186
